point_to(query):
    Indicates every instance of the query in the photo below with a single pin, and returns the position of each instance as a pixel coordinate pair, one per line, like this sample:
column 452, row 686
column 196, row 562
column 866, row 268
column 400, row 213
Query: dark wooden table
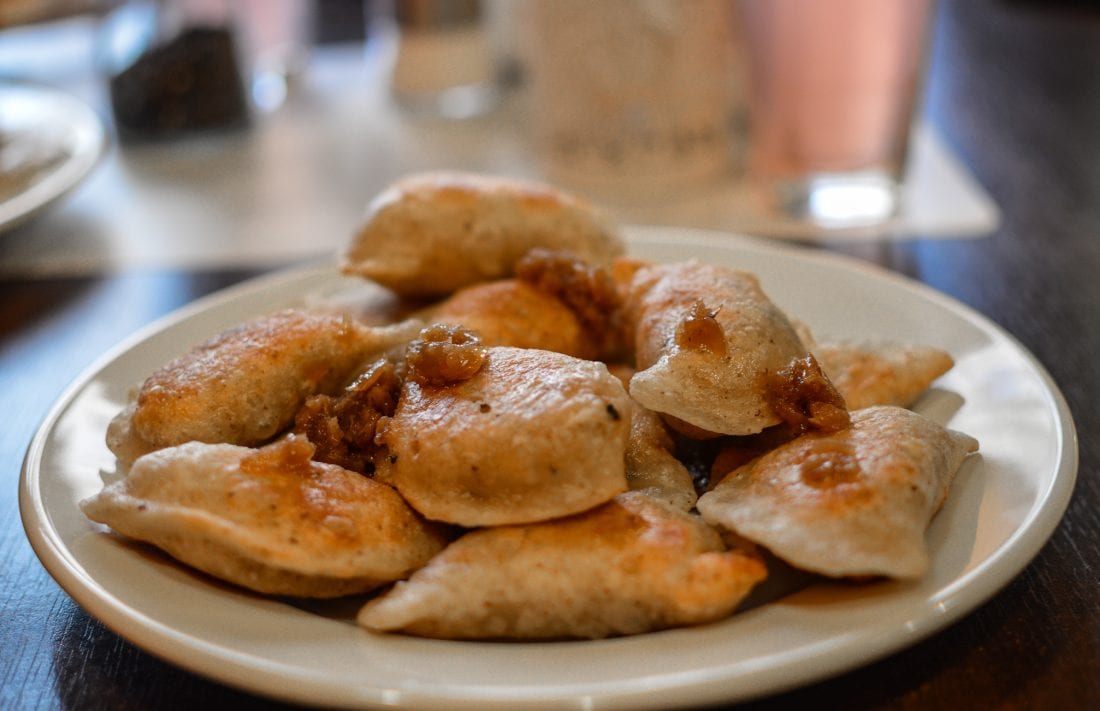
column 1015, row 89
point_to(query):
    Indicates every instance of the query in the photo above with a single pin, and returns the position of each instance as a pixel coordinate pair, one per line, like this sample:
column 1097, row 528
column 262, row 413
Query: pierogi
column 632, row 565
column 706, row 337
column 433, row 233
column 244, row 385
column 881, row 372
column 848, row 504
column 533, row 435
column 270, row 520
column 511, row 312
column 651, row 463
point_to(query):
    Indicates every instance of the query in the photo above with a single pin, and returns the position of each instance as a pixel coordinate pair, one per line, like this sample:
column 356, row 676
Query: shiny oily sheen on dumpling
column 706, row 338
column 270, row 520
column 854, row 503
column 533, row 435
column 630, row 566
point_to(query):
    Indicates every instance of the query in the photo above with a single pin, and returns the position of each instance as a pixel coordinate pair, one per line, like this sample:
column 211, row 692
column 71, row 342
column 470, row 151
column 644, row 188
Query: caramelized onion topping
column 292, row 454
column 342, row 427
column 700, row 330
column 444, row 354
column 825, row 463
column 805, row 399
column 589, row 292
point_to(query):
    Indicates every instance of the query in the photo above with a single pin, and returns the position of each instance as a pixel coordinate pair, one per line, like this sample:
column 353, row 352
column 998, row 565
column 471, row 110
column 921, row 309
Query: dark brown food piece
column 805, row 399
column 192, row 82
column 444, row 354
column 342, row 427
column 588, row 291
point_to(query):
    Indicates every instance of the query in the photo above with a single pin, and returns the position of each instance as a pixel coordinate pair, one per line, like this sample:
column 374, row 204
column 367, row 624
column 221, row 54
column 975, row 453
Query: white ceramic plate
column 49, row 142
column 1004, row 505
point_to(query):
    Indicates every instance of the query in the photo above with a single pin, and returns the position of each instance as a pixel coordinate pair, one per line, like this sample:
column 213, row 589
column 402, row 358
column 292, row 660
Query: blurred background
column 244, row 132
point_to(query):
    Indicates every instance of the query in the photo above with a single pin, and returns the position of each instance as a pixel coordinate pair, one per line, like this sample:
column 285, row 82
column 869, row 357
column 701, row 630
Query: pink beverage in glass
column 833, row 86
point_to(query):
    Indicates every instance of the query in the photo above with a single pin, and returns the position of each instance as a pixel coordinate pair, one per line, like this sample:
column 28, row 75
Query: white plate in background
column 49, row 142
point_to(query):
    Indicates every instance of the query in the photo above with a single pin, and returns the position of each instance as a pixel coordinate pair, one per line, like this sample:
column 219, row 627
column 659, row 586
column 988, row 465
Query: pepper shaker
column 173, row 67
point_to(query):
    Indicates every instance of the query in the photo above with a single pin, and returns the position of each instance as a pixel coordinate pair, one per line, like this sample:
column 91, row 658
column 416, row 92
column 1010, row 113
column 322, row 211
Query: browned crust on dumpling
column 852, row 503
column 632, row 565
column 510, row 312
column 880, row 372
column 244, row 385
column 721, row 390
column 269, row 520
column 533, row 435
column 433, row 233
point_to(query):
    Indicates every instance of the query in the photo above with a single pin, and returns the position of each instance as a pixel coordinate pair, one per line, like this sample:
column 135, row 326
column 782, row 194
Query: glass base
column 457, row 103
column 840, row 200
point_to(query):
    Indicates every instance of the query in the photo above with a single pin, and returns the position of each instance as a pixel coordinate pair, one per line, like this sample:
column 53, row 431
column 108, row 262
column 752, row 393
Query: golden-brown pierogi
column 532, row 435
column 852, row 503
column 510, row 312
column 706, row 338
column 880, row 372
column 632, row 565
column 269, row 520
column 652, row 466
column 433, row 233
column 244, row 385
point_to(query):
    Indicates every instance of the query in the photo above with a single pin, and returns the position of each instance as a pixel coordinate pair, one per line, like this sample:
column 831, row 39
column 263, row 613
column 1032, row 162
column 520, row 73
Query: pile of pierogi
column 508, row 428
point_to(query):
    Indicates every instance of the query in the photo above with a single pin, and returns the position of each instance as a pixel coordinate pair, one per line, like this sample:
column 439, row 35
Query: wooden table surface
column 1015, row 89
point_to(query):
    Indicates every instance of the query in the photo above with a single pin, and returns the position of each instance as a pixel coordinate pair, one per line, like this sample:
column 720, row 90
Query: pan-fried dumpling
column 244, row 385
column 433, row 233
column 531, row 435
column 852, row 503
column 511, row 312
column 706, row 339
column 881, row 372
column 652, row 466
column 269, row 520
column 629, row 566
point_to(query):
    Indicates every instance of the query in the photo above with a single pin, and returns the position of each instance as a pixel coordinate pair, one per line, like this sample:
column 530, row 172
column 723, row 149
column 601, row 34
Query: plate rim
column 958, row 598
column 64, row 178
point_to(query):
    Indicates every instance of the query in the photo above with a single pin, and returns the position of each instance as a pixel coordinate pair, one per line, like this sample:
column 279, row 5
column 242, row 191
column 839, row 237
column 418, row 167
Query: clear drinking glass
column 632, row 98
column 833, row 89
